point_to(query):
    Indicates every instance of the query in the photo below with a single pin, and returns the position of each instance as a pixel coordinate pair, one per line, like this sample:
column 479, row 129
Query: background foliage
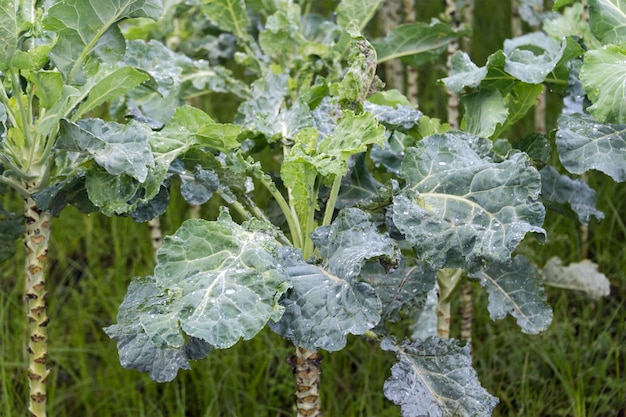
column 575, row 368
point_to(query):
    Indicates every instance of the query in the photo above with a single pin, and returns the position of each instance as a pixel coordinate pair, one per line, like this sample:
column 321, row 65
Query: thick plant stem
column 448, row 279
column 156, row 235
column 36, row 238
column 306, row 367
column 467, row 311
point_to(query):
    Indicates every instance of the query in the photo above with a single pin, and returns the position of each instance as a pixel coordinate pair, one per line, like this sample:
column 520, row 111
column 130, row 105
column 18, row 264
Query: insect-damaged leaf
column 460, row 208
column 435, row 378
column 515, row 288
column 585, row 144
column 327, row 302
column 138, row 350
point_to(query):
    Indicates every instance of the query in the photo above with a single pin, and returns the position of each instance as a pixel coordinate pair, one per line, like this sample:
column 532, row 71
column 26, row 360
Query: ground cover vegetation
column 331, row 207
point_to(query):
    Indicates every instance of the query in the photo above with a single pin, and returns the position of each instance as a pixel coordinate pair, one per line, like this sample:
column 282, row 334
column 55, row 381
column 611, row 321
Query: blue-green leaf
column 435, row 378
column 531, row 57
column 585, row 144
column 460, row 208
column 11, row 229
column 322, row 309
column 223, row 283
column 559, row 189
column 136, row 348
column 515, row 288
column 578, row 276
column 359, row 186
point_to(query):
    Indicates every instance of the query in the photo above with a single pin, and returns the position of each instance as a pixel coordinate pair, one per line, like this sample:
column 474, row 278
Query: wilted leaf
column 515, row 288
column 561, row 189
column 435, row 378
column 585, row 144
column 460, row 208
column 603, row 75
column 136, row 348
column 579, row 276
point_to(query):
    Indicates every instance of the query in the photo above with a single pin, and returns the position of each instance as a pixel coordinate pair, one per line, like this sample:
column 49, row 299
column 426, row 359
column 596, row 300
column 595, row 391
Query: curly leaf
column 139, row 351
column 322, row 309
column 585, row 144
column 400, row 117
column 224, row 281
column 515, row 289
column 532, row 57
column 460, row 208
column 560, row 189
column 435, row 378
column 603, row 76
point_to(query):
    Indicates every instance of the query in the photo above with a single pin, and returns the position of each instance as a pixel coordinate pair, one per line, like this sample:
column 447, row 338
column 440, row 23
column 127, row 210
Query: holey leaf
column 224, row 283
column 515, row 288
column 585, row 144
column 435, row 378
column 139, row 351
column 459, row 208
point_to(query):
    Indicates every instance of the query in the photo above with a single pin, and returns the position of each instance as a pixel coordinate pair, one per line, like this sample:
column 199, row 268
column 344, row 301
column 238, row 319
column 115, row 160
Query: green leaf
column 402, row 118
column 464, row 73
column 356, row 12
column 84, row 28
column 603, row 75
column 11, row 229
column 435, row 378
column 136, row 348
column 8, row 32
column 607, row 19
column 560, row 3
column 417, row 43
column 322, row 309
column 111, row 87
column 579, row 276
column 228, row 15
column 559, row 189
column 112, row 194
column 460, row 208
column 197, row 186
column 484, row 112
column 120, row 149
column 519, row 100
column 223, row 283
column 585, row 144
column 530, row 58
column 515, row 288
